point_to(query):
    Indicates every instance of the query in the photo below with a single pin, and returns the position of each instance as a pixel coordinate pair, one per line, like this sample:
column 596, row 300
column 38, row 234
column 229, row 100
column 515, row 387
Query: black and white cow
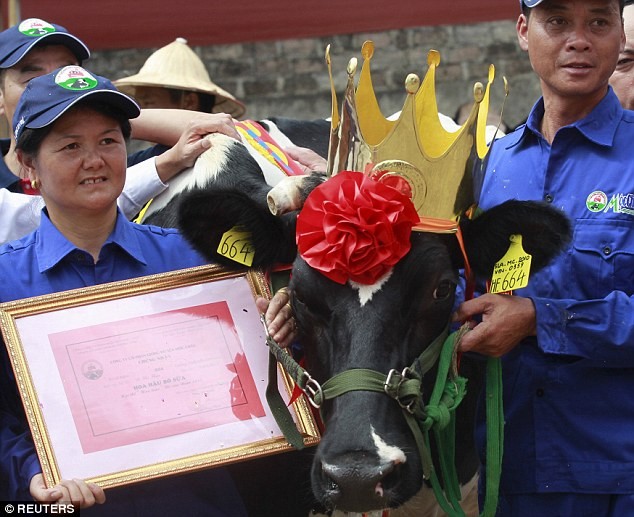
column 240, row 168
column 367, row 459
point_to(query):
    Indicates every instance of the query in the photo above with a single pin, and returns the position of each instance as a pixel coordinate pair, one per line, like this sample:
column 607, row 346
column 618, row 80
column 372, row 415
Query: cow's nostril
column 391, row 476
column 354, row 486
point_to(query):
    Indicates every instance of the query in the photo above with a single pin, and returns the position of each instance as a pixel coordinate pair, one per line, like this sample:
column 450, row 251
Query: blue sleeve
column 144, row 154
column 18, row 459
column 600, row 330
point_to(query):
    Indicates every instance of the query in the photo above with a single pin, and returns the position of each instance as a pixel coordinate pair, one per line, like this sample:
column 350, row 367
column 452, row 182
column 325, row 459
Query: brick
column 290, row 77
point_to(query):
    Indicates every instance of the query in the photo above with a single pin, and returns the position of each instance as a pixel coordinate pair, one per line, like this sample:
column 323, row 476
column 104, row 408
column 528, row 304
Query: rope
column 279, row 409
column 437, row 416
column 495, row 435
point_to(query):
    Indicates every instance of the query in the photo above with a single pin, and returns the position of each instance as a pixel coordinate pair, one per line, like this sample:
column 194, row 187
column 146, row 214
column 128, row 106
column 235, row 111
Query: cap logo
column 35, row 27
column 75, row 78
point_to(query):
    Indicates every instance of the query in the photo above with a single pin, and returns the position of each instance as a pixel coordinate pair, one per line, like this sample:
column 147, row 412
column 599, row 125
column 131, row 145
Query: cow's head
column 368, row 458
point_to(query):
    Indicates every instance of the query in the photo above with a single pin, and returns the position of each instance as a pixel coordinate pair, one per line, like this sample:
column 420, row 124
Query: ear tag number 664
column 236, row 245
column 512, row 270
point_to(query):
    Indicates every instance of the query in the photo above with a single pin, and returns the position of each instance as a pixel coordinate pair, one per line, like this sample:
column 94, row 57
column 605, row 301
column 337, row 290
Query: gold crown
column 436, row 163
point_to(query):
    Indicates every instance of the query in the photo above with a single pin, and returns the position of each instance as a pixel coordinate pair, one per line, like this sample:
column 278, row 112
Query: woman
column 71, row 129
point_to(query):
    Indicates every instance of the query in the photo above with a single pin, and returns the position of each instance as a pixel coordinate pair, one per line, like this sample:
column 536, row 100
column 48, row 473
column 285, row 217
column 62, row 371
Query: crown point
column 367, row 50
column 352, row 66
column 433, row 58
column 506, row 85
column 491, row 73
column 328, row 54
column 181, row 40
column 478, row 92
column 412, row 83
column 412, row 146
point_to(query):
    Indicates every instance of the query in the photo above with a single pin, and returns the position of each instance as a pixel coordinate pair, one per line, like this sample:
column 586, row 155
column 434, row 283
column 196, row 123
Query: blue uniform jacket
column 568, row 393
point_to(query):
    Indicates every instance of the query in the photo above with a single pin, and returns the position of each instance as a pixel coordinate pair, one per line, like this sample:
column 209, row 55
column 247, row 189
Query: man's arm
column 165, row 126
column 600, row 330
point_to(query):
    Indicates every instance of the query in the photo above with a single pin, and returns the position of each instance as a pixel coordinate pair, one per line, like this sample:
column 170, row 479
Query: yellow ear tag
column 513, row 269
column 236, row 245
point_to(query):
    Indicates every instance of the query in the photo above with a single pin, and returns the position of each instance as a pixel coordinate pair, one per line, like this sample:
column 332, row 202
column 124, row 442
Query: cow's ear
column 205, row 216
column 545, row 233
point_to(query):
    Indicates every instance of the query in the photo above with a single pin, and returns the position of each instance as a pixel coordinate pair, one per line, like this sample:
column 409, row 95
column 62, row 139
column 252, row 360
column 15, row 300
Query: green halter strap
column 438, row 416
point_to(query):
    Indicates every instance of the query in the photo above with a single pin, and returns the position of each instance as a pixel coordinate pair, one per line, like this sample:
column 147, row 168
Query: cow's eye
column 444, row 289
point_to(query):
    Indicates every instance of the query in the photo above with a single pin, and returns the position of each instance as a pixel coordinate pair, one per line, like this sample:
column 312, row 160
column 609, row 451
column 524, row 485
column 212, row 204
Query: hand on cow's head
column 307, row 158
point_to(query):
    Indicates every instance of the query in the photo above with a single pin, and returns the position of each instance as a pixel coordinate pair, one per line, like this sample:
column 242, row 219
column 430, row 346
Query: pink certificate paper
column 155, row 376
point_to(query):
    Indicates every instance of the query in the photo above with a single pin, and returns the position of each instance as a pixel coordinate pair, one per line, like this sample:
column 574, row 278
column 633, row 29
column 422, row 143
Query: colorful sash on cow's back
column 260, row 140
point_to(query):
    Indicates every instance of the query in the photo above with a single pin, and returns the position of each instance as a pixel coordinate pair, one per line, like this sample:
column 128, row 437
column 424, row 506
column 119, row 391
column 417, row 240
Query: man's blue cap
column 48, row 97
column 17, row 41
column 530, row 3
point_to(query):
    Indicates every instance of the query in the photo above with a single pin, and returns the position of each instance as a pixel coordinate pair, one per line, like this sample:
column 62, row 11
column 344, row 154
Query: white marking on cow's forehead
column 387, row 453
column 366, row 292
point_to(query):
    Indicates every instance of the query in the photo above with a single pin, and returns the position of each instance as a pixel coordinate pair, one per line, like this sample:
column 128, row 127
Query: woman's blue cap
column 17, row 41
column 48, row 97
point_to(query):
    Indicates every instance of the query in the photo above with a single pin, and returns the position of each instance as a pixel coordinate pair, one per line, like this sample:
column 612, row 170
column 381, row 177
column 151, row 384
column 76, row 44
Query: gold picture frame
column 144, row 343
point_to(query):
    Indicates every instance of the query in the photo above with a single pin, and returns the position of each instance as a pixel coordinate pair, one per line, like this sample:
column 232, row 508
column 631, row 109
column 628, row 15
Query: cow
column 239, row 166
column 367, row 459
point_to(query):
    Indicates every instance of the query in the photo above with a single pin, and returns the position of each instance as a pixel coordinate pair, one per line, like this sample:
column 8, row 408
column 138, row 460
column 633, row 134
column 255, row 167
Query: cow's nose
column 354, row 486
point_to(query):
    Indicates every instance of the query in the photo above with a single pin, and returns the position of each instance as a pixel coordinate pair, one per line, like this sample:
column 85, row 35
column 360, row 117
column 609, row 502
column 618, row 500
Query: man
column 35, row 47
column 175, row 77
column 622, row 79
column 567, row 340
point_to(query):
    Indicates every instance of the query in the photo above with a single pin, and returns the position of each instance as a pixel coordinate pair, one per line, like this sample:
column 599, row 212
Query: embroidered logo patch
column 35, row 27
column 618, row 203
column 596, row 201
column 75, row 78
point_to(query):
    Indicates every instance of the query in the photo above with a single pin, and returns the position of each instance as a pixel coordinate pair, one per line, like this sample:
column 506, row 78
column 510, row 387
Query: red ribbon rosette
column 354, row 228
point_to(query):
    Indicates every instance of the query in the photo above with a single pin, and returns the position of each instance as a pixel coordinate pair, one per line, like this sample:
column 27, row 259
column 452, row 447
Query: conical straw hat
column 177, row 66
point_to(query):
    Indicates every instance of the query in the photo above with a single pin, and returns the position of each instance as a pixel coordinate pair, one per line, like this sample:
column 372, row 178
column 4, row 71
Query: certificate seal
column 92, row 370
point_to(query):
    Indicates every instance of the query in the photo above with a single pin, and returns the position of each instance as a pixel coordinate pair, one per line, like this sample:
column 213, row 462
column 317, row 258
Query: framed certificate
column 147, row 377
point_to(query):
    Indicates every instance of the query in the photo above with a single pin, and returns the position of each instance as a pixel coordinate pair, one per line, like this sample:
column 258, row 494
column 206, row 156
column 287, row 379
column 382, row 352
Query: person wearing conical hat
column 175, row 77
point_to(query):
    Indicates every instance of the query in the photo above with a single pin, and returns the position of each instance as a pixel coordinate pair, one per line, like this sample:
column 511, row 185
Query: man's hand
column 75, row 491
column 192, row 143
column 307, row 159
column 506, row 320
column 278, row 317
